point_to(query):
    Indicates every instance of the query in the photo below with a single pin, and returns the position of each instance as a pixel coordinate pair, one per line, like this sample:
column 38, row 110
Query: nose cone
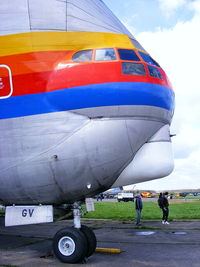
column 153, row 160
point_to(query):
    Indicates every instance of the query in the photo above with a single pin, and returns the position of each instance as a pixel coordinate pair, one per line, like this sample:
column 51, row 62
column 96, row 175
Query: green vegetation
column 151, row 211
column 190, row 197
column 126, row 210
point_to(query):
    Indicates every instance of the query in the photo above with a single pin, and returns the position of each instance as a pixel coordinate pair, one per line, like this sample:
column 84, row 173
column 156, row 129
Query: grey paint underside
column 127, row 111
column 63, row 157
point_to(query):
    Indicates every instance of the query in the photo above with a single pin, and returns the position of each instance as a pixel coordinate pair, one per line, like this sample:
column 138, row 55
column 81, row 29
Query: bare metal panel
column 27, row 137
column 11, row 9
column 47, row 15
column 92, row 15
column 133, row 111
column 58, row 15
column 93, row 153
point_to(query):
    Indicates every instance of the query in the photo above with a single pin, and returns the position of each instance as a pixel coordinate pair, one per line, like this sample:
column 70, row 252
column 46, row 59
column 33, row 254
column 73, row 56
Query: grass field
column 190, row 197
column 126, row 211
column 151, row 211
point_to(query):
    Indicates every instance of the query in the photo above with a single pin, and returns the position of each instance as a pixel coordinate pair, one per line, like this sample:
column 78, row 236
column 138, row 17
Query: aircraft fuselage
column 75, row 107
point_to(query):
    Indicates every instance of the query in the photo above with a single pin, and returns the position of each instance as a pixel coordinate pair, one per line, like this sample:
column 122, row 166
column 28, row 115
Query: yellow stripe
column 108, row 250
column 59, row 41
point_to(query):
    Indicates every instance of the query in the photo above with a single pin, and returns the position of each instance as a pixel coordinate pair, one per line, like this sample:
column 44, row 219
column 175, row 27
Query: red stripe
column 79, row 75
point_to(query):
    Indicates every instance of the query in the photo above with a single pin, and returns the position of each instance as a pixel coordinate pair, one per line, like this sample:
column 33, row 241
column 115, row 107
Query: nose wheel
column 72, row 245
column 91, row 240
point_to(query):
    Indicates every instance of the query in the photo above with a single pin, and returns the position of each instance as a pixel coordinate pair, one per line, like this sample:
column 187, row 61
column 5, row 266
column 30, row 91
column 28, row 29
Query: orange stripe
column 35, row 62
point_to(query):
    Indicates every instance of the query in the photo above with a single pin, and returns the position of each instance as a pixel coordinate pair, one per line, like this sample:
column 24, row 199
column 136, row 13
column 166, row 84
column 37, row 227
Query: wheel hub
column 66, row 246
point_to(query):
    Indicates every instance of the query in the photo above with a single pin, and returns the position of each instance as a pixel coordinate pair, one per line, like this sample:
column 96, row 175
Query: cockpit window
column 82, row 56
column 154, row 72
column 105, row 54
column 133, row 68
column 128, row 54
column 147, row 58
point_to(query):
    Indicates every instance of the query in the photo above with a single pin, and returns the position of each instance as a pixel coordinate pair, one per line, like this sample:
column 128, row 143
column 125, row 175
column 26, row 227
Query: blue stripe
column 96, row 95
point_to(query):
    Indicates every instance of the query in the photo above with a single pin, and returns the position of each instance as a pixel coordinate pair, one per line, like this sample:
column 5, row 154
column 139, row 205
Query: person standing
column 160, row 200
column 165, row 208
column 138, row 208
column 160, row 204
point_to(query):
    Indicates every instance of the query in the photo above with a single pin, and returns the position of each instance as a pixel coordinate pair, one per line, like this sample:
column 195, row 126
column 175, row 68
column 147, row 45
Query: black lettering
column 24, row 213
column 31, row 212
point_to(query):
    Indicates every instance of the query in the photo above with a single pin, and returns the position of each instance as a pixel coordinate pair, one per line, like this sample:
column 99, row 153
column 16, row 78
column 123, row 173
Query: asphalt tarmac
column 152, row 244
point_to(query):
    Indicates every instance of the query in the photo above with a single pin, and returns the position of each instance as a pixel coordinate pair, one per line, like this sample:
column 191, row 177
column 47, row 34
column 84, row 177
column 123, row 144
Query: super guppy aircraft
column 83, row 108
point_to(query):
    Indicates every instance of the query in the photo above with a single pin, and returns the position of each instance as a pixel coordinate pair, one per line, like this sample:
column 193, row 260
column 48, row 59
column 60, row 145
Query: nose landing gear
column 72, row 245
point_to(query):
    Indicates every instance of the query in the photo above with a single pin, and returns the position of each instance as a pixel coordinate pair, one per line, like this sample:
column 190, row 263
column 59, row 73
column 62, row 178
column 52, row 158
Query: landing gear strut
column 72, row 245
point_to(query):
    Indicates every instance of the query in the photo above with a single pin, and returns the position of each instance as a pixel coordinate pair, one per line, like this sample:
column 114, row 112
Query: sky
column 170, row 31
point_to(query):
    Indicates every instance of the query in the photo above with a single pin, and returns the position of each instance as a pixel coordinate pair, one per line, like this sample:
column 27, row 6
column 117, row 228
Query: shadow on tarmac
column 152, row 244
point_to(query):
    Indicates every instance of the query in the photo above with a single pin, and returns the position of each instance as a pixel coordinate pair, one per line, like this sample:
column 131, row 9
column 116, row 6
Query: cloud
column 169, row 6
column 195, row 5
column 186, row 142
column 177, row 50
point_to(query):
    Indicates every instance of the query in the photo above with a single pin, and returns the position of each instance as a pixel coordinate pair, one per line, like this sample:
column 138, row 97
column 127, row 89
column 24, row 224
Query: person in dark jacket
column 160, row 204
column 138, row 208
column 160, row 200
column 165, row 208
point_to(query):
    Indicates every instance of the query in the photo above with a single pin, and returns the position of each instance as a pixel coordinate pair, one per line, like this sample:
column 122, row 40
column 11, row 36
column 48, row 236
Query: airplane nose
column 93, row 158
column 153, row 160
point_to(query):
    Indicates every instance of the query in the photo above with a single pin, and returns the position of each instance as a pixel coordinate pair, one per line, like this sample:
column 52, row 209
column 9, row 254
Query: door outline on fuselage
column 10, row 81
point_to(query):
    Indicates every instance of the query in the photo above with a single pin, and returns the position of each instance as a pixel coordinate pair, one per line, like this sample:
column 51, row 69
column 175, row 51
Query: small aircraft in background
column 148, row 194
column 83, row 108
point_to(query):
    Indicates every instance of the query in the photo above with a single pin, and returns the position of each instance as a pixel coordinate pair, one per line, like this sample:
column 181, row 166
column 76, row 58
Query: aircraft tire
column 70, row 245
column 91, row 240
